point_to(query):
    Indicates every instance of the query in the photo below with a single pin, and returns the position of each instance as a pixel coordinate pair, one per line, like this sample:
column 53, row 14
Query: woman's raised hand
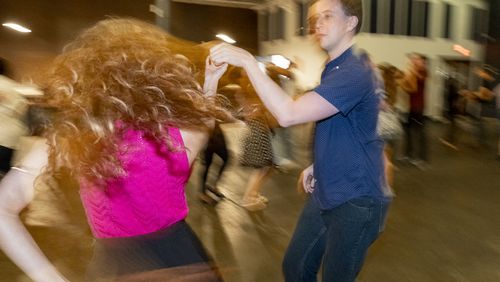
column 213, row 69
column 213, row 72
column 226, row 53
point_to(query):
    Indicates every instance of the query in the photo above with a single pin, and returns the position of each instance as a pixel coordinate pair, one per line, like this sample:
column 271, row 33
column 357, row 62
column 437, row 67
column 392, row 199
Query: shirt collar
column 339, row 60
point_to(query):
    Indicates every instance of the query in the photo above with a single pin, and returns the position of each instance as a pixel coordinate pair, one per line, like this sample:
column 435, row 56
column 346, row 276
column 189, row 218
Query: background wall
column 393, row 48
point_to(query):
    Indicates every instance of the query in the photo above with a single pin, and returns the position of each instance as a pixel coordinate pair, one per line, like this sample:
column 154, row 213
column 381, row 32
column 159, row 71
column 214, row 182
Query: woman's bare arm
column 16, row 191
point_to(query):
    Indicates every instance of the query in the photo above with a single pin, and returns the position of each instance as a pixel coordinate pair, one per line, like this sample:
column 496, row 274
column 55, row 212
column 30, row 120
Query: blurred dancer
column 256, row 146
column 216, row 146
column 282, row 140
column 349, row 201
column 129, row 118
column 12, row 110
column 413, row 83
column 390, row 74
column 476, row 102
column 386, row 125
column 452, row 95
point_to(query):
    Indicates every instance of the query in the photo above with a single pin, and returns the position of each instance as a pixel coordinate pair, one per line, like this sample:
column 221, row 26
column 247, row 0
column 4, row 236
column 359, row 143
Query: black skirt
column 164, row 255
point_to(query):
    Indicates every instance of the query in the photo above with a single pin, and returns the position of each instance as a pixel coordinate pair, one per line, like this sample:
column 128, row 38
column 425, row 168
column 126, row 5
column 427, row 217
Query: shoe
column 214, row 191
column 253, row 204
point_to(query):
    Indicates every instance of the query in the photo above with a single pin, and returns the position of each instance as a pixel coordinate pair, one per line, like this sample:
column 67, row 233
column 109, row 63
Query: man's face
column 331, row 24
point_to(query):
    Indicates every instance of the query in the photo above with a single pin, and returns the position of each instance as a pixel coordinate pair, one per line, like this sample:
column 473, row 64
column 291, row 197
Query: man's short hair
column 353, row 8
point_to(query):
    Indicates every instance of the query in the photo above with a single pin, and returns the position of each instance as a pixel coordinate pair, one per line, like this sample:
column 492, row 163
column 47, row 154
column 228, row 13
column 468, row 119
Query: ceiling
column 249, row 4
column 56, row 22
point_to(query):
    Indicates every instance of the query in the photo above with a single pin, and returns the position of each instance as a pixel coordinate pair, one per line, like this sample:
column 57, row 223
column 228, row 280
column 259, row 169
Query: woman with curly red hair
column 128, row 120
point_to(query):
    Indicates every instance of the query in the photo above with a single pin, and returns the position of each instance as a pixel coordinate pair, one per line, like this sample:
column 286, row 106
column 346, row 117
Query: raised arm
column 196, row 140
column 213, row 73
column 309, row 107
column 16, row 191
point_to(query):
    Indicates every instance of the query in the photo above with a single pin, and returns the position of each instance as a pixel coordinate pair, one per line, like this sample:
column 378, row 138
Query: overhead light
column 17, row 27
column 226, row 38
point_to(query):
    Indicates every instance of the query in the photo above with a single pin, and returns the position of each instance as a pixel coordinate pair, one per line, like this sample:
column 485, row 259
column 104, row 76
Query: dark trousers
column 416, row 137
column 337, row 238
column 216, row 146
column 171, row 247
column 5, row 158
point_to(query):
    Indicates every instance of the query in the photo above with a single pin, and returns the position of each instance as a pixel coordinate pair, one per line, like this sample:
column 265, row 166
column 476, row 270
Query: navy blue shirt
column 348, row 159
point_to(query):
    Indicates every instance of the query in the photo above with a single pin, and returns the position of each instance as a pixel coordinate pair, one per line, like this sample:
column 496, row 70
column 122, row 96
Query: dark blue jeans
column 338, row 237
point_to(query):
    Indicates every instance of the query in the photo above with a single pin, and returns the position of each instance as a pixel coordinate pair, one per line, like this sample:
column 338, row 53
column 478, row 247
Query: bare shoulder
column 33, row 156
column 194, row 141
column 17, row 186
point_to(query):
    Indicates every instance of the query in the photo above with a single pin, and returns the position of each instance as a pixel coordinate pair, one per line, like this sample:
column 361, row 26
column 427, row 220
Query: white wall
column 391, row 48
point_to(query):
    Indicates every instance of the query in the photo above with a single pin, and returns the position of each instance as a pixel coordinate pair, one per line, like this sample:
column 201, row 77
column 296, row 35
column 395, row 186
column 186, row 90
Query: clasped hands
column 223, row 54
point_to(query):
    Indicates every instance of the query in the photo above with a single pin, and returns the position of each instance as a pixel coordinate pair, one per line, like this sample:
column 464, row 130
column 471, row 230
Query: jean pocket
column 361, row 203
column 355, row 210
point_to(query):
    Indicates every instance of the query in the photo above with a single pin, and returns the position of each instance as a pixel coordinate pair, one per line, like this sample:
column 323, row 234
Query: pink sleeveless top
column 149, row 198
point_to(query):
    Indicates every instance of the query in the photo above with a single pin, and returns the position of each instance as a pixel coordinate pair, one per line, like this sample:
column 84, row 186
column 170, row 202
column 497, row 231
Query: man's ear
column 352, row 22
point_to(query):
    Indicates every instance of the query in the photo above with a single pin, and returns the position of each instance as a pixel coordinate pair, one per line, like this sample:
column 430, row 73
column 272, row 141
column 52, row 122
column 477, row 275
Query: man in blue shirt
column 349, row 199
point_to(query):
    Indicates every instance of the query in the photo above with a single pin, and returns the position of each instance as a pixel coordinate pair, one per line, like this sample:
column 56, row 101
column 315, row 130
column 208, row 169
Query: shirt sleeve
column 345, row 88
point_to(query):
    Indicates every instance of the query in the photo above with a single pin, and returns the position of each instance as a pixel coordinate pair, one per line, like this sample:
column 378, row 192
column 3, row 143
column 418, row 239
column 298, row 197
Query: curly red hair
column 122, row 72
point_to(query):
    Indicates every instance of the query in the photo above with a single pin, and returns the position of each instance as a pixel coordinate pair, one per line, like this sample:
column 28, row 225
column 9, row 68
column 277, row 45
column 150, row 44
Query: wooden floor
column 444, row 224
